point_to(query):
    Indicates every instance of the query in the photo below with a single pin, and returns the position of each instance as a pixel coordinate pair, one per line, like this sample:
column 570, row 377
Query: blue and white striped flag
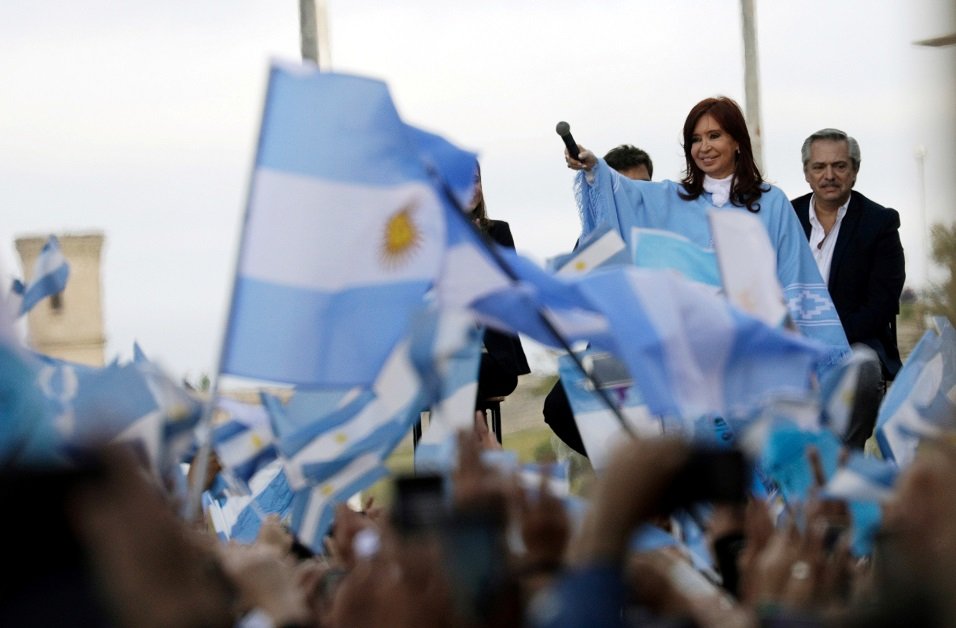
column 344, row 232
column 305, row 407
column 748, row 265
column 376, row 420
column 446, row 351
column 921, row 402
column 50, row 273
column 599, row 428
column 660, row 249
column 863, row 479
column 271, row 495
column 244, row 442
column 313, row 509
column 689, row 352
column 603, row 247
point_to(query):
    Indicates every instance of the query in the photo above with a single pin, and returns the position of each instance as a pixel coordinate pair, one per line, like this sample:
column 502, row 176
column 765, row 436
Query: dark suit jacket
column 505, row 348
column 866, row 275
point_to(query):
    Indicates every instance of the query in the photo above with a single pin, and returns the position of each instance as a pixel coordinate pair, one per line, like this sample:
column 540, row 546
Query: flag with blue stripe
column 599, row 428
column 271, row 495
column 603, row 247
column 748, row 265
column 691, row 353
column 244, row 442
column 306, row 406
column 660, row 249
column 343, row 235
column 471, row 278
column 446, row 351
column 378, row 419
column 863, row 478
column 921, row 401
column 50, row 273
column 313, row 509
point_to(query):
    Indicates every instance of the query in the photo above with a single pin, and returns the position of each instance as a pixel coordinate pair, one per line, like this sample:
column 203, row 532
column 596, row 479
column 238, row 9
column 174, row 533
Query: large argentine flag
column 343, row 232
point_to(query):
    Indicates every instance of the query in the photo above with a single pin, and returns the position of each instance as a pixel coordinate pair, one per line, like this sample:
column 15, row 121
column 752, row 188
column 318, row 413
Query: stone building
column 69, row 326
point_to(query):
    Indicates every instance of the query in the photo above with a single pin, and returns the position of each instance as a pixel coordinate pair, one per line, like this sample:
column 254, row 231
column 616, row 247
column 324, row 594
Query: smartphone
column 606, row 370
column 711, row 475
column 475, row 556
column 419, row 504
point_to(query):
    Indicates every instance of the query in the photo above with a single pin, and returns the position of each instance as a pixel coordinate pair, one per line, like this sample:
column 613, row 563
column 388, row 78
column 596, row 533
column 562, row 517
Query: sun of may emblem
column 402, row 236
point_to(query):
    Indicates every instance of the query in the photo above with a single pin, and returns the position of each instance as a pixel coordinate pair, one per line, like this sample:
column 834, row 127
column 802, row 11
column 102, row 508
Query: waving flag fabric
column 691, row 353
column 50, row 273
column 748, row 265
column 603, row 247
column 656, row 248
column 343, row 235
column 922, row 399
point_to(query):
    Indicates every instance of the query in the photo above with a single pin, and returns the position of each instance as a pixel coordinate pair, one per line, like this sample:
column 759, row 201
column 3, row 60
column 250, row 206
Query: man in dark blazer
column 856, row 243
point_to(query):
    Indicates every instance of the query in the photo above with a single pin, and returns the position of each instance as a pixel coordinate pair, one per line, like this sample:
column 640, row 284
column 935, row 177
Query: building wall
column 71, row 327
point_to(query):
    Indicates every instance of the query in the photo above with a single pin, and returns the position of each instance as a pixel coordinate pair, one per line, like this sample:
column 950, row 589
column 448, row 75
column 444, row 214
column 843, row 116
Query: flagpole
column 542, row 315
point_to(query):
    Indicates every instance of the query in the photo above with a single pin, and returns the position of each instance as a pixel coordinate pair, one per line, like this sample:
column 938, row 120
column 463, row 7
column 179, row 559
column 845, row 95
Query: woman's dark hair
column 747, row 183
column 478, row 212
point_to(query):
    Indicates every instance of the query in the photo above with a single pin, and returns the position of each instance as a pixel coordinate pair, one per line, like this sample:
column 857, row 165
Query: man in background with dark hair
column 633, row 163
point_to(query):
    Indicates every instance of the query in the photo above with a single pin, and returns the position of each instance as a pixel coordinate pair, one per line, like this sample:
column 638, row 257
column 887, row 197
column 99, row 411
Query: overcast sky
column 139, row 119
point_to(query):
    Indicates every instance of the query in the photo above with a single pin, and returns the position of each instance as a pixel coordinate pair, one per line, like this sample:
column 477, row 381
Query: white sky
column 140, row 119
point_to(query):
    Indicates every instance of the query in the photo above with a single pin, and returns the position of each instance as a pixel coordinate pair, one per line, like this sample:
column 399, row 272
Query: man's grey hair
column 837, row 136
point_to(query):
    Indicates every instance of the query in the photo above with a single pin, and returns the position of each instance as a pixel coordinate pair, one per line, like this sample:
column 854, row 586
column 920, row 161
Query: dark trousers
column 560, row 418
column 871, row 387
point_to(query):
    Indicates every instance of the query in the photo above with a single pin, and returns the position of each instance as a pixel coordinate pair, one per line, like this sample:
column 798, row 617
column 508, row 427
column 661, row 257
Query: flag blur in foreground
column 748, row 265
column 921, row 402
column 50, row 272
column 343, row 235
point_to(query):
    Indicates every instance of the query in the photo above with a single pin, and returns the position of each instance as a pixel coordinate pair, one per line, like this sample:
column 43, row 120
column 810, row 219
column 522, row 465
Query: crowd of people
column 106, row 545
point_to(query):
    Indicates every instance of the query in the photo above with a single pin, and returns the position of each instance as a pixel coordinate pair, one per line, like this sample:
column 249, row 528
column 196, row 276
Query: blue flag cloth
column 313, row 509
column 343, row 235
column 306, row 406
column 863, row 479
column 655, row 248
column 244, row 442
column 446, row 352
column 376, row 420
column 626, row 204
column 27, row 433
column 512, row 293
column 921, row 401
column 690, row 352
column 271, row 495
column 603, row 247
column 50, row 273
column 599, row 428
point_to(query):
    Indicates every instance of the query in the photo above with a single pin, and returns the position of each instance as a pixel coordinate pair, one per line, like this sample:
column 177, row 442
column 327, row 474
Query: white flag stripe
column 594, row 254
column 474, row 277
column 321, row 494
column 299, row 216
column 673, row 319
column 848, row 484
column 397, row 384
column 244, row 446
column 748, row 265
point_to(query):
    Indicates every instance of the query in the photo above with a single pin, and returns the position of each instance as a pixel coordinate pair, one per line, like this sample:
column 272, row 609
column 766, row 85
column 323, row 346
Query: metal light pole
column 920, row 155
column 752, row 79
column 314, row 33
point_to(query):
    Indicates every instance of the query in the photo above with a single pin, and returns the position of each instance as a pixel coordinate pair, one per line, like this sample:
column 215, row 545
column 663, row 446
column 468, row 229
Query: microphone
column 564, row 130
